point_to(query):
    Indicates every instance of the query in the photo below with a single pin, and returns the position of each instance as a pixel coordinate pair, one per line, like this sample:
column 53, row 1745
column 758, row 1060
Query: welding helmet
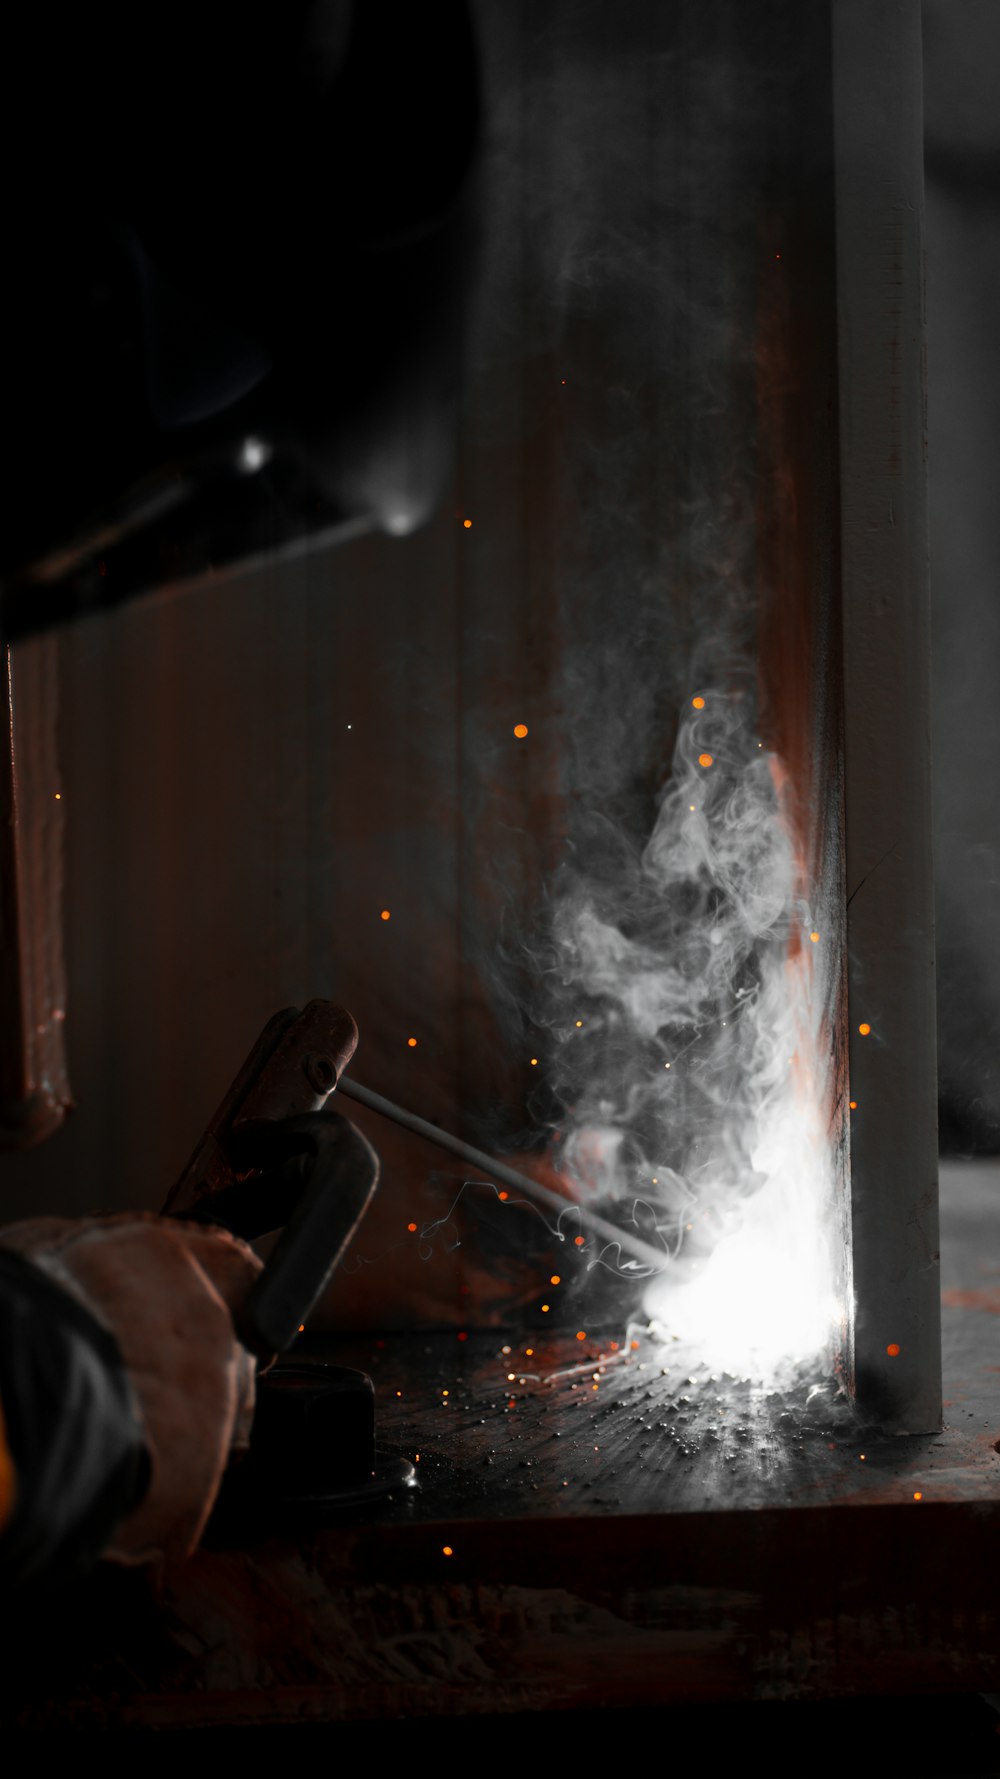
column 240, row 240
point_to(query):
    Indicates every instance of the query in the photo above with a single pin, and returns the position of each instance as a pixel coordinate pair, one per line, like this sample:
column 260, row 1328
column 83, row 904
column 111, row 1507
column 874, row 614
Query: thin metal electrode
column 632, row 1245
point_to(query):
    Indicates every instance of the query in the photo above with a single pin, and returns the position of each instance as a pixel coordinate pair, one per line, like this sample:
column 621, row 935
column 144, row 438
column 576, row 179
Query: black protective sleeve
column 74, row 1436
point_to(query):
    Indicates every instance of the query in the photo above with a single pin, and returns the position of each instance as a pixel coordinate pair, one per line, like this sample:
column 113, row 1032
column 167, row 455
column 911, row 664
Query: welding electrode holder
column 273, row 1158
column 313, row 1437
column 312, row 1177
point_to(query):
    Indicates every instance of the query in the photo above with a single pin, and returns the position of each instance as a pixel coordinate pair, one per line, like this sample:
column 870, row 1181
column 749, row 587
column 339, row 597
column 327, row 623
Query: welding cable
column 655, row 1259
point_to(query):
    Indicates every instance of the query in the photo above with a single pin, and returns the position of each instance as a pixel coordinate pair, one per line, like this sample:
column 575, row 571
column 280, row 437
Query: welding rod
column 498, row 1170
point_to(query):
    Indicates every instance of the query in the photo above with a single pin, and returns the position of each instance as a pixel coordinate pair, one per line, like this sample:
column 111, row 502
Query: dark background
column 252, row 772
column 961, row 47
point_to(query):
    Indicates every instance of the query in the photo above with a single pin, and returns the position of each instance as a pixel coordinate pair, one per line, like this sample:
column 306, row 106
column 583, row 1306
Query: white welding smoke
column 673, row 987
column 699, row 1085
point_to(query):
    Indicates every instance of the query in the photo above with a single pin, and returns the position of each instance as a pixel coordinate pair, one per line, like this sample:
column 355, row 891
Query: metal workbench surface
column 653, row 1539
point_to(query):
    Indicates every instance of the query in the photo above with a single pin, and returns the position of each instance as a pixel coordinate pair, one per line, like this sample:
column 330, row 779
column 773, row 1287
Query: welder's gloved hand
column 165, row 1290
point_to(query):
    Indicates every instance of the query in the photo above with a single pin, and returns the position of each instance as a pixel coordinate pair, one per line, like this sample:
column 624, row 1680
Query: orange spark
column 864, row 1029
column 447, row 1550
column 893, row 1349
column 581, row 1334
column 704, row 759
column 699, row 703
column 412, row 1042
column 815, row 938
column 503, row 1195
column 555, row 1279
column 545, row 1309
column 520, row 730
column 385, row 914
column 918, row 1495
column 578, row 1241
column 412, row 1228
column 468, row 524
column 854, row 1105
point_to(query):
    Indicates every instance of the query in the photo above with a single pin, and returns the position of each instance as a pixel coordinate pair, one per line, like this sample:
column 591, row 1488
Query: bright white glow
column 764, row 1297
column 401, row 520
column 254, row 453
column 760, row 1302
column 710, row 963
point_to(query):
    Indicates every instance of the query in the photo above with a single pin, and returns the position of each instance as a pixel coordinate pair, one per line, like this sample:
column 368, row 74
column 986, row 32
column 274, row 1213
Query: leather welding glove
column 165, row 1290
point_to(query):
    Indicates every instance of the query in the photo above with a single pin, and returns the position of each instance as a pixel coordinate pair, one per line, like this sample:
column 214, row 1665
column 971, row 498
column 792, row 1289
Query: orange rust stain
column 988, row 1300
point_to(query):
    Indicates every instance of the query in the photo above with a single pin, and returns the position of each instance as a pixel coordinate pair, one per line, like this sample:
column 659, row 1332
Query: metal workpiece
column 878, row 115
